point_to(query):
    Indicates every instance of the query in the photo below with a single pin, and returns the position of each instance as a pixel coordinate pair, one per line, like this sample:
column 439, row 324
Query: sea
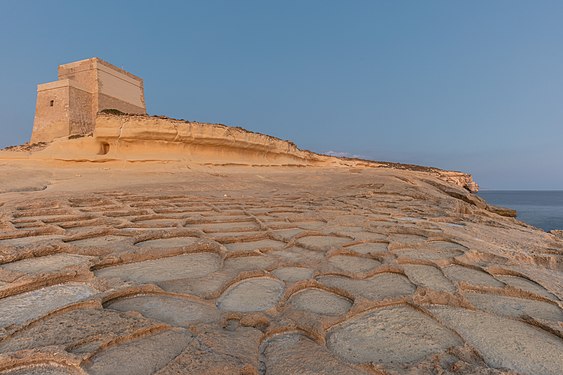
column 542, row 209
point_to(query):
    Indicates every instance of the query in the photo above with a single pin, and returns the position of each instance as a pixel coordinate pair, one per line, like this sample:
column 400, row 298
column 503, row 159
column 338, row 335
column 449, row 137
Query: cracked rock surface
column 160, row 269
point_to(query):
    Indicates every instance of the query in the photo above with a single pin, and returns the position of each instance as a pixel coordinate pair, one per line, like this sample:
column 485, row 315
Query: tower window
column 51, row 103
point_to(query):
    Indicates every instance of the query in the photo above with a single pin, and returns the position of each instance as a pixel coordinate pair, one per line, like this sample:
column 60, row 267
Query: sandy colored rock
column 216, row 250
column 254, row 294
column 378, row 287
column 428, row 277
column 145, row 355
column 177, row 267
column 294, row 353
column 171, row 310
column 392, row 335
column 320, row 301
column 506, row 343
column 79, row 330
column 30, row 305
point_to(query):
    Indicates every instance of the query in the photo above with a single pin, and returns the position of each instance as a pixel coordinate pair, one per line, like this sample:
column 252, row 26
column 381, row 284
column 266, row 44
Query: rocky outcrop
column 149, row 135
column 161, row 137
column 155, row 268
column 167, row 260
column 502, row 211
column 461, row 179
column 141, row 138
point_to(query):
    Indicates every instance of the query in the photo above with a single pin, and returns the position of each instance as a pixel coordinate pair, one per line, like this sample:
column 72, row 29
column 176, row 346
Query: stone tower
column 69, row 106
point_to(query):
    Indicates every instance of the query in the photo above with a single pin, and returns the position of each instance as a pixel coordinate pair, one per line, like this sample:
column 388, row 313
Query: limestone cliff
column 141, row 138
column 151, row 135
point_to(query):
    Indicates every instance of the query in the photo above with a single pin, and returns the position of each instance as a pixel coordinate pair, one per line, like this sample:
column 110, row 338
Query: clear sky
column 473, row 85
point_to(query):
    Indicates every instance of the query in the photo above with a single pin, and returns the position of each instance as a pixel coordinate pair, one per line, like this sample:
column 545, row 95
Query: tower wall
column 82, row 72
column 51, row 112
column 69, row 106
column 81, row 116
column 118, row 89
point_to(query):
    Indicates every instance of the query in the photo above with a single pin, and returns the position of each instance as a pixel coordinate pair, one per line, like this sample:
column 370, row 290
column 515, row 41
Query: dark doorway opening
column 104, row 148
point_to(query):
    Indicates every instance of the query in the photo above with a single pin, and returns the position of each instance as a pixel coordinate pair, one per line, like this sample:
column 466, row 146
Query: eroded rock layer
column 141, row 138
column 309, row 270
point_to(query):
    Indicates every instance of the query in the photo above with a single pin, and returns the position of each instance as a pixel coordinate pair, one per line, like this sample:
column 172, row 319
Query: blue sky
column 474, row 86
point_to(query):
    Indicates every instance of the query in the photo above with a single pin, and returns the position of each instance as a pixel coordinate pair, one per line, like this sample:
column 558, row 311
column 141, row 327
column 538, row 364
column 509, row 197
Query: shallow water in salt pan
column 353, row 264
column 31, row 305
column 515, row 307
column 163, row 243
column 407, row 238
column 226, row 227
column 172, row 310
column 429, row 277
column 428, row 253
column 297, row 354
column 98, row 241
column 255, row 294
column 525, row 284
column 287, row 234
column 255, row 245
column 41, row 370
column 370, row 248
column 28, row 240
column 389, row 335
column 506, row 343
column 292, row 274
column 143, row 356
column 471, row 276
column 322, row 243
column 248, row 263
column 176, row 267
column 320, row 301
column 381, row 286
column 50, row 263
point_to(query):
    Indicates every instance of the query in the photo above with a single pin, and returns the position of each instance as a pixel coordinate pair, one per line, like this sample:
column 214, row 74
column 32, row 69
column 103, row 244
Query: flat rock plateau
column 162, row 267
